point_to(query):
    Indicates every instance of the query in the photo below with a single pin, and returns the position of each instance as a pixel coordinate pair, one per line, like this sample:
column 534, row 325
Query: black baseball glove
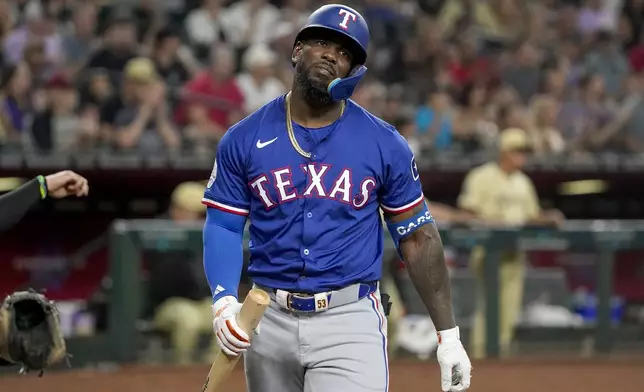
column 30, row 334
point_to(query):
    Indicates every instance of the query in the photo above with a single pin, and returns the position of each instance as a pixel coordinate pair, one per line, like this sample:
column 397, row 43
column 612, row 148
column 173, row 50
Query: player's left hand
column 456, row 368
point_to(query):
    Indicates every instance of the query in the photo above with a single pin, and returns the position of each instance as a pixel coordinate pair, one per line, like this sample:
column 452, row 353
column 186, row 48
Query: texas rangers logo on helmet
column 348, row 15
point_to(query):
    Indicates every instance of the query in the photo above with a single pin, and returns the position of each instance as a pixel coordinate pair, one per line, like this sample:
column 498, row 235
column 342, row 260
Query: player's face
column 323, row 60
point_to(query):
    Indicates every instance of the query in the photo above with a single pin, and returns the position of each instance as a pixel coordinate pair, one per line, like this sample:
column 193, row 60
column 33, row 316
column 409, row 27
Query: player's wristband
column 400, row 230
column 43, row 187
column 448, row 335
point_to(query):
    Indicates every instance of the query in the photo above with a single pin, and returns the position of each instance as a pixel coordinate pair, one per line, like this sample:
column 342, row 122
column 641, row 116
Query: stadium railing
column 128, row 239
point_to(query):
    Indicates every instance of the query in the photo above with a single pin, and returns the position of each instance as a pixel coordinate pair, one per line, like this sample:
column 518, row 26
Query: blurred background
column 549, row 88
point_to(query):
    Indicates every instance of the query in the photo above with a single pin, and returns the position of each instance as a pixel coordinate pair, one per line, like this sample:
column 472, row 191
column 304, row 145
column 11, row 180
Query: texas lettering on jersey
column 317, row 174
column 315, row 223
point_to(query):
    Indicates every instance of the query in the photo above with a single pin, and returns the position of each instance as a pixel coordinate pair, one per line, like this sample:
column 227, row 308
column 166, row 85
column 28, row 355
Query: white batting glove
column 456, row 368
column 230, row 337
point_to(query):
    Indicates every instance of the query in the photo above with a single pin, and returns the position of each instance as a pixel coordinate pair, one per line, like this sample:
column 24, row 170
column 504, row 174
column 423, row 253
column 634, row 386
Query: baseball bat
column 248, row 318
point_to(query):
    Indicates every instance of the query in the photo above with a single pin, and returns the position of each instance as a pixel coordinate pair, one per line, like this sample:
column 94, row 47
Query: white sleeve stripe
column 405, row 207
column 225, row 207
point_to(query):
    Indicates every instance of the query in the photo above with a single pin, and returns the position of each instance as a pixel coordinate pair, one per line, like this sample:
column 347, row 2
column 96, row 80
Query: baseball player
column 311, row 170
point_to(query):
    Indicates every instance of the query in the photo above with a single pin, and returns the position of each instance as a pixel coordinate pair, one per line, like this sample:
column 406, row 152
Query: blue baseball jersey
column 315, row 223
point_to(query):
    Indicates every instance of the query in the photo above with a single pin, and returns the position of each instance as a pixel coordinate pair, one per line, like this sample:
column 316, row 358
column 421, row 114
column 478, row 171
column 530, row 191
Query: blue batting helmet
column 349, row 24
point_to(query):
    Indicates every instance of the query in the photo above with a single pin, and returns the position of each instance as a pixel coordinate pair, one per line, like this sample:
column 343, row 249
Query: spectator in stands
column 294, row 14
column 204, row 27
column 472, row 127
column 559, row 83
column 38, row 26
column 607, row 60
column 140, row 118
column 501, row 97
column 178, row 290
column 565, row 23
column 144, row 16
column 94, row 93
column 15, row 82
column 542, row 29
column 212, row 101
column 545, row 138
column 426, row 53
column 34, row 56
column 371, row 95
column 624, row 34
column 119, row 47
column 394, row 106
column 407, row 128
column 633, row 11
column 479, row 13
column 523, row 71
column 58, row 128
column 569, row 68
column 248, row 22
column 499, row 193
column 615, row 135
column 6, row 23
column 465, row 64
column 634, row 127
column 636, row 55
column 511, row 115
column 148, row 18
column 434, row 121
column 586, row 113
column 387, row 30
column 165, row 53
column 258, row 83
column 80, row 41
column 293, row 17
column 596, row 16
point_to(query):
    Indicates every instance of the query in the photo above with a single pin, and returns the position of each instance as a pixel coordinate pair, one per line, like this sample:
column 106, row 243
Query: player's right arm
column 14, row 205
column 228, row 200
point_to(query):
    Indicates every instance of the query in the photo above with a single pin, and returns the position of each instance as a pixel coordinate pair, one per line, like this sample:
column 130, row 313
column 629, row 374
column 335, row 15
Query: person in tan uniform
column 185, row 306
column 498, row 193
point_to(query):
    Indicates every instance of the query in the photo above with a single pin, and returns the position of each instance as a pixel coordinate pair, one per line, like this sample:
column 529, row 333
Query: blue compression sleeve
column 223, row 252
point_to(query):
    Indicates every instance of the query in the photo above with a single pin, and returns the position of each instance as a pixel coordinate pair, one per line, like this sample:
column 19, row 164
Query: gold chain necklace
column 289, row 127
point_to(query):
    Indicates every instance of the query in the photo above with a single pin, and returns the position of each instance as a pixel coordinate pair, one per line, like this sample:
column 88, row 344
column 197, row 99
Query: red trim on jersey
column 223, row 207
column 405, row 208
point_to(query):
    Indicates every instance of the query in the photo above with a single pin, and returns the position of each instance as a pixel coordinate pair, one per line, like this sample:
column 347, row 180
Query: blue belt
column 300, row 302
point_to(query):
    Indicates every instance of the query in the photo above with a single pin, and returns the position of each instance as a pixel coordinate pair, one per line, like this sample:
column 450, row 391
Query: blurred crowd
column 173, row 75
